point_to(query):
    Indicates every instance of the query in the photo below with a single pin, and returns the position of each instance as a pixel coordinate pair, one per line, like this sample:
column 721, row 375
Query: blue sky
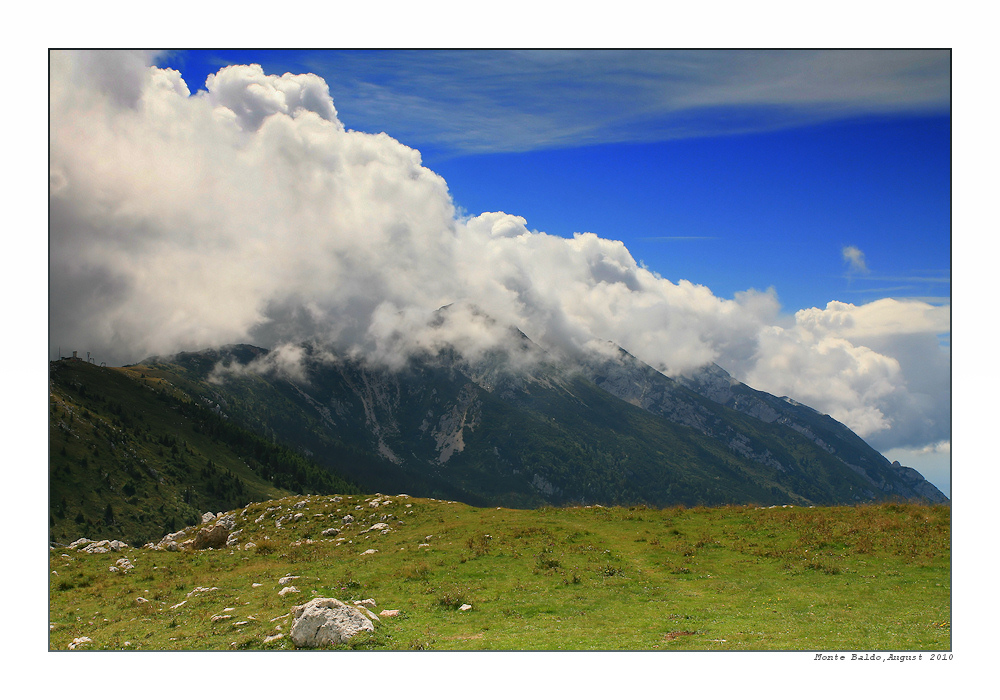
column 734, row 170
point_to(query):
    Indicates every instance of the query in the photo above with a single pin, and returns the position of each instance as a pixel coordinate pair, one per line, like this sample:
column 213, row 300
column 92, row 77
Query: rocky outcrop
column 97, row 547
column 211, row 535
column 327, row 621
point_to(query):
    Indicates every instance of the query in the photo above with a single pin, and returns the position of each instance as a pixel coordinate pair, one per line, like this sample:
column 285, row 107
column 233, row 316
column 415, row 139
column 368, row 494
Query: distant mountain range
column 600, row 428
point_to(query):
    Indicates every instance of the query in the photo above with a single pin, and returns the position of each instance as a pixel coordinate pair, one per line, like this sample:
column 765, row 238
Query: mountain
column 502, row 430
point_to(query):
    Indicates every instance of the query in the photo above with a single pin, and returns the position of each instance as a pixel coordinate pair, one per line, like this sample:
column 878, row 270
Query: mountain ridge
column 711, row 404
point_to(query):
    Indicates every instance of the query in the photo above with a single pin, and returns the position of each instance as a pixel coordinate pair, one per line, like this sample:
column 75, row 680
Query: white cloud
column 884, row 317
column 855, row 259
column 248, row 213
column 177, row 224
column 252, row 96
column 880, row 368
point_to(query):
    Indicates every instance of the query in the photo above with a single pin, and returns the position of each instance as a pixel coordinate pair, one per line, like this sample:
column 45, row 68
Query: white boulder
column 327, row 621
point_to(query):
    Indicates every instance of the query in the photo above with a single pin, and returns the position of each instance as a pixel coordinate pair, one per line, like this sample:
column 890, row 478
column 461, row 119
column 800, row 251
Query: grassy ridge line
column 738, row 578
column 132, row 457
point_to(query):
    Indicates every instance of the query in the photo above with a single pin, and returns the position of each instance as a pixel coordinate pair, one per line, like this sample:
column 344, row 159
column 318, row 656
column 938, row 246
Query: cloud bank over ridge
column 247, row 212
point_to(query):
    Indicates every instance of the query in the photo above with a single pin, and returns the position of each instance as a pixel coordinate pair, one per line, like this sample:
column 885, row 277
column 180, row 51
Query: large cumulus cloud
column 187, row 220
column 247, row 212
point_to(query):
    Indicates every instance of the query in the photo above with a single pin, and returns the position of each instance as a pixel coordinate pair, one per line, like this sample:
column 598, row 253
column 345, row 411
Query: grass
column 733, row 578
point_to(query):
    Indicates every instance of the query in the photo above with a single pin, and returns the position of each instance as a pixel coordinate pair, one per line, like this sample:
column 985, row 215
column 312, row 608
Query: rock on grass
column 327, row 621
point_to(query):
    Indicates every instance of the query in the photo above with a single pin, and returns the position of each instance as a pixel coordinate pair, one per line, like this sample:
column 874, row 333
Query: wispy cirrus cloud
column 511, row 101
column 929, row 288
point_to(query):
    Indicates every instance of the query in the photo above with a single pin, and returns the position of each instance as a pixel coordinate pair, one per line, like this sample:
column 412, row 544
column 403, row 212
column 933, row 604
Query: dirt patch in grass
column 671, row 636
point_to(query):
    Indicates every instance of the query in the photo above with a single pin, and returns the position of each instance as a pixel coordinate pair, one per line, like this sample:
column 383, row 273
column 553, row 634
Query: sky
column 785, row 214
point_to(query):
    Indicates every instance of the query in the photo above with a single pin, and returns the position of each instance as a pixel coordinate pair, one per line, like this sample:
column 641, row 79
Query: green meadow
column 868, row 577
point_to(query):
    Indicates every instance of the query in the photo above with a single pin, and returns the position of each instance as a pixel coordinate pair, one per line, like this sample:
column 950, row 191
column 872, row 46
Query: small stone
column 202, row 589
